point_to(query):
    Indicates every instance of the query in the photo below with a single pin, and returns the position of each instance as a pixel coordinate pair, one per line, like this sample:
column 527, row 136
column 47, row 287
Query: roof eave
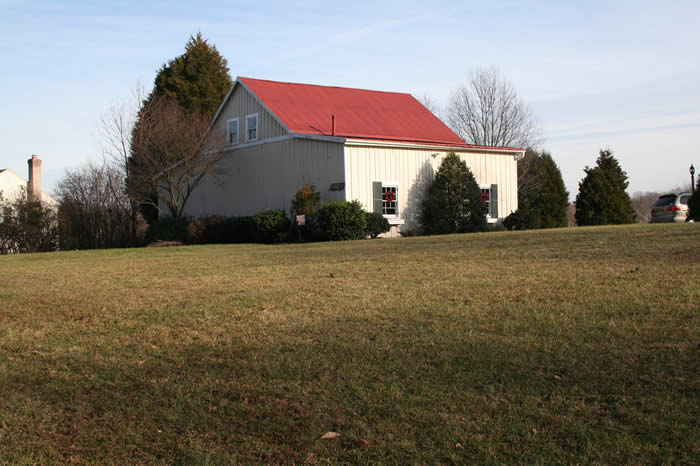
column 433, row 145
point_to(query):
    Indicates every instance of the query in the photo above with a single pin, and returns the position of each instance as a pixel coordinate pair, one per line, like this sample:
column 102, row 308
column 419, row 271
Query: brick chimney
column 34, row 184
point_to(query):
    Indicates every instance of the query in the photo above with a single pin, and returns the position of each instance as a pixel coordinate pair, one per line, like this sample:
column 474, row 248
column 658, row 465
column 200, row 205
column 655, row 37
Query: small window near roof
column 251, row 127
column 232, row 128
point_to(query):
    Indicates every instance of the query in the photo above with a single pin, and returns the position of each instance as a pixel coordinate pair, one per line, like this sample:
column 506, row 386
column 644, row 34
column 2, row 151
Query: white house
column 12, row 185
column 381, row 148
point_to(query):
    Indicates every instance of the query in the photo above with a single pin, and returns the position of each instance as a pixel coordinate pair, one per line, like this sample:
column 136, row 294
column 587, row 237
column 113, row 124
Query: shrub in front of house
column 342, row 220
column 376, row 224
column 167, row 229
column 271, row 226
column 218, row 229
column 522, row 219
column 305, row 202
column 242, row 229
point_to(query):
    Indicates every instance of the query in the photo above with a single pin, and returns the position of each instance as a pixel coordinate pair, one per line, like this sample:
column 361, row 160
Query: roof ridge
column 325, row 86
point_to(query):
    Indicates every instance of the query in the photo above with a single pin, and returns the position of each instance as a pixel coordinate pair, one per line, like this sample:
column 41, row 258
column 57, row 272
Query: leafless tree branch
column 172, row 151
column 488, row 112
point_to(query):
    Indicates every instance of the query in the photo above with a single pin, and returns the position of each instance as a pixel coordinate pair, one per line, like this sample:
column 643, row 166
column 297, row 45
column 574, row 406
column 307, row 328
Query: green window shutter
column 377, row 196
column 494, row 201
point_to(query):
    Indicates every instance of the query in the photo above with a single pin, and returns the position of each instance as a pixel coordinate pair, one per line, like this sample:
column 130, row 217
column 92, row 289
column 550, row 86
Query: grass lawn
column 574, row 345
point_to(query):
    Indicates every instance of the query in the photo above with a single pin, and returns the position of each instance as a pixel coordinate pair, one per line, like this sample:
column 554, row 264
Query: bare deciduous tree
column 431, row 104
column 94, row 209
column 487, row 111
column 171, row 152
column 115, row 130
column 641, row 203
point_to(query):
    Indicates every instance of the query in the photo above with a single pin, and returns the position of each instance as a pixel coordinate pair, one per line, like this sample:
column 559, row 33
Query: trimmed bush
column 522, row 219
column 217, row 229
column 376, row 224
column 242, row 229
column 167, row 229
column 342, row 220
column 271, row 226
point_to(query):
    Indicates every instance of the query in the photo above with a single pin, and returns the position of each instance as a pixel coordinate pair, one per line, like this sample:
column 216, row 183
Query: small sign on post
column 301, row 220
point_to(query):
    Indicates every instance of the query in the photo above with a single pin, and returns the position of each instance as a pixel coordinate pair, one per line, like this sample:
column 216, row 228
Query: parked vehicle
column 670, row 208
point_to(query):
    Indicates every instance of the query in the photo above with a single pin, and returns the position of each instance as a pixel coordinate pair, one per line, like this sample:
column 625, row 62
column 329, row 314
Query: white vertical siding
column 266, row 176
column 414, row 170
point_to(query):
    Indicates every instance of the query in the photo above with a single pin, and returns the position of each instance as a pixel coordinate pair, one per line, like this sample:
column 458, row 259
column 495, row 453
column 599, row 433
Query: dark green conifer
column 453, row 203
column 198, row 79
column 542, row 196
column 602, row 199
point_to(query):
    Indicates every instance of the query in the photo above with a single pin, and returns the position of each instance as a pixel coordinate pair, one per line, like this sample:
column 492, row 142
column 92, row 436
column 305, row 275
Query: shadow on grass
column 434, row 397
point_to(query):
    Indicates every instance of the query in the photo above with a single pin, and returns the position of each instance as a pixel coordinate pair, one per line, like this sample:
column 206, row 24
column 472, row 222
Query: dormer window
column 251, row 127
column 232, row 129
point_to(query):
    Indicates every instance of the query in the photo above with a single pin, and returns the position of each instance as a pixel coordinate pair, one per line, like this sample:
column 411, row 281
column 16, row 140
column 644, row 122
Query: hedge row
column 334, row 221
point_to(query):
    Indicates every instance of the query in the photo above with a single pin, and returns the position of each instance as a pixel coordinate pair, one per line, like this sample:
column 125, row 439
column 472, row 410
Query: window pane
column 665, row 200
column 252, row 127
column 389, row 200
column 233, row 132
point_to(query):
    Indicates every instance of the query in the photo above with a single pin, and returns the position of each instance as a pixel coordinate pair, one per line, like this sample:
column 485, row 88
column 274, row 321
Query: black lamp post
column 692, row 178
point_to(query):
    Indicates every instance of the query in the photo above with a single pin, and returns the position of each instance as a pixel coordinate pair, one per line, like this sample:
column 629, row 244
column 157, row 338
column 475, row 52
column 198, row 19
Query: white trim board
column 369, row 143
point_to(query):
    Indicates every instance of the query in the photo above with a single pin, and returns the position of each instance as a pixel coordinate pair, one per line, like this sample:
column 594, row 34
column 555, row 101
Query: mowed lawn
column 574, row 345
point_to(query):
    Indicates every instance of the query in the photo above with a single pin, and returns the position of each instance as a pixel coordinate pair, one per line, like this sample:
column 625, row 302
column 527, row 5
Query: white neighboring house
column 381, row 148
column 12, row 185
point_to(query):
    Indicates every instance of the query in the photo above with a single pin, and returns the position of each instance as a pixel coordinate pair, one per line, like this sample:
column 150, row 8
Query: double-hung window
column 386, row 199
column 232, row 128
column 251, row 127
column 390, row 200
column 489, row 196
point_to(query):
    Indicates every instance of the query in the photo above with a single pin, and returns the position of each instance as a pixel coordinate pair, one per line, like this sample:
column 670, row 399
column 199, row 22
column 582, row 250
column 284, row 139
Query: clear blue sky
column 620, row 75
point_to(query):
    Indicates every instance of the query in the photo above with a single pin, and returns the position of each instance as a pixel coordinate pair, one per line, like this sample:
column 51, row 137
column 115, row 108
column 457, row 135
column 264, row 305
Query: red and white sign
column 301, row 220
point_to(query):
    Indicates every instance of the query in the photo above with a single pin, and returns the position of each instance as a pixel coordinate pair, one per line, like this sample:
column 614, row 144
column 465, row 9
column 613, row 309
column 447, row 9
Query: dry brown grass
column 576, row 345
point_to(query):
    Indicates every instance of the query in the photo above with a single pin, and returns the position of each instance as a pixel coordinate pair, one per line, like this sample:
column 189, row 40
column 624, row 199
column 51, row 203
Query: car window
column 665, row 200
column 684, row 200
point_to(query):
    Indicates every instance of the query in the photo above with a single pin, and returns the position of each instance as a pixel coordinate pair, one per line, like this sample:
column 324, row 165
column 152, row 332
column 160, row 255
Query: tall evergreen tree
column 602, row 198
column 198, row 80
column 453, row 203
column 542, row 196
column 552, row 199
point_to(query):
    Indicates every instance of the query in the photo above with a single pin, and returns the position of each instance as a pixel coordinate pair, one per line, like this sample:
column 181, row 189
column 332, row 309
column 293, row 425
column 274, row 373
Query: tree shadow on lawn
column 390, row 400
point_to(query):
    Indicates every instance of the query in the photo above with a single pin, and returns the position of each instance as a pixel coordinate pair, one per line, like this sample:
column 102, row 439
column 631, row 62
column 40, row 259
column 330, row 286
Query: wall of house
column 266, row 176
column 414, row 169
column 242, row 103
column 12, row 185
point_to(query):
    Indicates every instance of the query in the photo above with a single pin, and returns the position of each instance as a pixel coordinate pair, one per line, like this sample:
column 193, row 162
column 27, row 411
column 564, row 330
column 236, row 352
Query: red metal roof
column 359, row 113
